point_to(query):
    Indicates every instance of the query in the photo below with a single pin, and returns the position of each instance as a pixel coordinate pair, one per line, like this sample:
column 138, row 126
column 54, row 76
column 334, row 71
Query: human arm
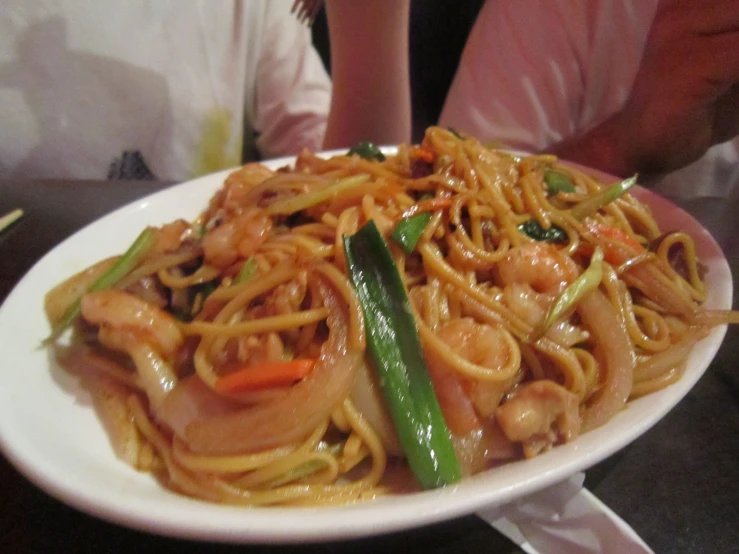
column 685, row 97
column 370, row 71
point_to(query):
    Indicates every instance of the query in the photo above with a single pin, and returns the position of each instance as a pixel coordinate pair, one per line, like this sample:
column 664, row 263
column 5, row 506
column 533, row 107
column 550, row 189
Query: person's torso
column 533, row 74
column 125, row 89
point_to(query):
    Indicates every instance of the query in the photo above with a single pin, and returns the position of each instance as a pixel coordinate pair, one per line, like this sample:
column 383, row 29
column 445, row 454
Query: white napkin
column 564, row 519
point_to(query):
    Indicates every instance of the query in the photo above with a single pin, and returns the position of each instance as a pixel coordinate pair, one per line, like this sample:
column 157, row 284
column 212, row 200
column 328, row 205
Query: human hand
column 685, row 97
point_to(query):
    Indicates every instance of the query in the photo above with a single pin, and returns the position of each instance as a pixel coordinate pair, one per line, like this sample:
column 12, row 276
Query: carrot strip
column 422, row 153
column 612, row 253
column 265, row 376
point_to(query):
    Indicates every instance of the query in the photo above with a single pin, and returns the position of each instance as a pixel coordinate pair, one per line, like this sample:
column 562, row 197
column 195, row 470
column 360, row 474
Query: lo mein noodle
column 241, row 357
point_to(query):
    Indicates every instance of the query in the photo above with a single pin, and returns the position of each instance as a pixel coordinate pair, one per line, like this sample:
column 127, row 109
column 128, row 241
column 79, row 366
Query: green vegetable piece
column 456, row 133
column 591, row 205
column 307, row 200
column 122, row 267
column 587, row 282
column 8, row 219
column 409, row 230
column 558, row 182
column 207, row 289
column 248, row 270
column 533, row 229
column 396, row 354
column 367, row 150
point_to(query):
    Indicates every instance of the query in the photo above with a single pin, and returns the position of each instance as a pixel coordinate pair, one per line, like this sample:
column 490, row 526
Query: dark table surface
column 677, row 485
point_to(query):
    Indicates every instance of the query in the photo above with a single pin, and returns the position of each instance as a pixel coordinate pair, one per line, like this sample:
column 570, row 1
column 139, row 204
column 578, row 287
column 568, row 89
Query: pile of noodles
column 152, row 351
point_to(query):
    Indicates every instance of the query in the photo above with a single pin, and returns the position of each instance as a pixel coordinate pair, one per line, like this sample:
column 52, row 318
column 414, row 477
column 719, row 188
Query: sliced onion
column 483, row 448
column 368, row 399
column 607, row 329
column 66, row 293
column 662, row 362
column 657, row 291
column 286, row 420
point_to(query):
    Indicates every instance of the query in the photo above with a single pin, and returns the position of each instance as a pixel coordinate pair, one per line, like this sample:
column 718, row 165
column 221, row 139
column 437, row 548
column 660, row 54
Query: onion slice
column 288, row 419
column 608, row 330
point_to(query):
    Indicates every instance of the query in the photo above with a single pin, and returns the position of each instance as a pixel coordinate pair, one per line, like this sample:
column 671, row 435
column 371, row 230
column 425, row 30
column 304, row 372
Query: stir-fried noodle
column 231, row 358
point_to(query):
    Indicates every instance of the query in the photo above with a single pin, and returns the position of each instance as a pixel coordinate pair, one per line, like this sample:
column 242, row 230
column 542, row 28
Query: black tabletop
column 676, row 485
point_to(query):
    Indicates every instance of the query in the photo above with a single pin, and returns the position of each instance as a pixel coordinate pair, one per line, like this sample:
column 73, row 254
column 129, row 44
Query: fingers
column 707, row 64
column 718, row 56
column 702, row 16
column 727, row 116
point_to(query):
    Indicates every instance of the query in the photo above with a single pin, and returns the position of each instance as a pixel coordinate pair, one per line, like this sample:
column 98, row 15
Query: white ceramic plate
column 49, row 430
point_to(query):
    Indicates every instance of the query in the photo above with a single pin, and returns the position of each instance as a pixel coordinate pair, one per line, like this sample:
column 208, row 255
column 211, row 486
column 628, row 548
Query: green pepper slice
column 396, row 354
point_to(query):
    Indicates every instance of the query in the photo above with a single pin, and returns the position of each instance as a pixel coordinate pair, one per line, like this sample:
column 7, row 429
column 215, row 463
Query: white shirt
column 173, row 88
column 535, row 72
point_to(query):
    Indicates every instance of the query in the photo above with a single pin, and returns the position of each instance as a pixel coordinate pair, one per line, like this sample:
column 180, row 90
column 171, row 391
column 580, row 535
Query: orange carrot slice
column 265, row 376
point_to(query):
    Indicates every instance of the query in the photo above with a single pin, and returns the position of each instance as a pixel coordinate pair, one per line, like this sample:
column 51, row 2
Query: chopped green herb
column 367, row 150
column 533, row 229
column 409, row 229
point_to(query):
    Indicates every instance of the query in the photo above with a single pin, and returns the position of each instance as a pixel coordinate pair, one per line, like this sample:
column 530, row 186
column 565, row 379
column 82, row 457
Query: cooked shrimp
column 478, row 343
column 531, row 307
column 538, row 264
column 58, row 300
column 236, row 187
column 131, row 325
column 533, row 410
column 287, row 298
column 238, row 237
column 169, row 237
column 465, row 400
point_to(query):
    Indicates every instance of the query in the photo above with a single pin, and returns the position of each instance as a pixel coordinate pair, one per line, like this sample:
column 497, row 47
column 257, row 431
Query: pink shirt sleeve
column 535, row 72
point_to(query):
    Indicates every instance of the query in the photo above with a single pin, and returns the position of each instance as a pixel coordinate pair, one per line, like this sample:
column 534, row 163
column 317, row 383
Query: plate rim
column 243, row 525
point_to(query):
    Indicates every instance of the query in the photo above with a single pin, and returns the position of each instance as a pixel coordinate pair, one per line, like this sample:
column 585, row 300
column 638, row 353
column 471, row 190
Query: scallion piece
column 409, row 230
column 309, row 199
column 396, row 354
column 122, row 267
column 558, row 182
column 587, row 282
column 247, row 271
column 591, row 205
column 8, row 219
